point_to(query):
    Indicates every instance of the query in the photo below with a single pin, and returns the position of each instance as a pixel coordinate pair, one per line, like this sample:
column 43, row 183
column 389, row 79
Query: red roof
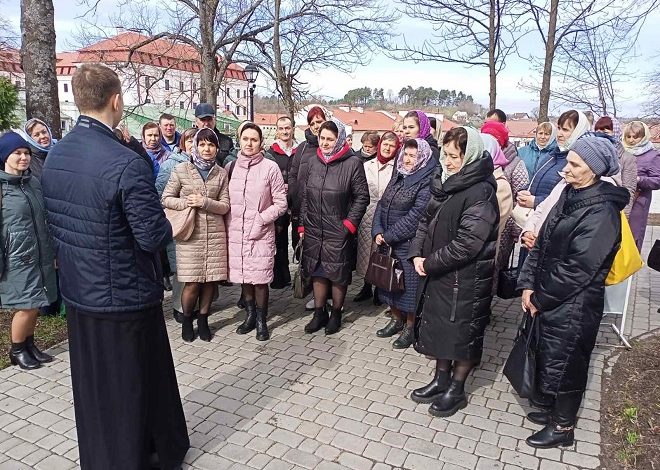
column 66, row 63
column 655, row 133
column 364, row 121
column 10, row 60
column 448, row 125
column 266, row 119
column 522, row 129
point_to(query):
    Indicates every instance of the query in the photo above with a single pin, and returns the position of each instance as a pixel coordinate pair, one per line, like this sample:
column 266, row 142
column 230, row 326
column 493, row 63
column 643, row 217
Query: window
column 66, row 88
column 180, row 86
column 18, row 83
column 194, row 105
column 194, row 86
column 182, row 105
column 167, row 84
column 238, row 93
column 146, row 82
column 238, row 110
column 228, row 92
column 147, row 101
column 244, row 93
column 227, row 107
column 167, row 102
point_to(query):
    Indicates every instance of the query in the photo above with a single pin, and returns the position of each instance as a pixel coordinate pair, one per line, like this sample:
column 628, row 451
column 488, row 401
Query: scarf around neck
column 390, row 136
column 643, row 145
column 553, row 137
column 197, row 159
column 424, row 153
column 473, row 151
column 26, row 135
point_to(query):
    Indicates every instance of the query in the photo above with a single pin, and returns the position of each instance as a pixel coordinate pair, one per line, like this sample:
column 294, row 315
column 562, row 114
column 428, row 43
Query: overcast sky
column 390, row 74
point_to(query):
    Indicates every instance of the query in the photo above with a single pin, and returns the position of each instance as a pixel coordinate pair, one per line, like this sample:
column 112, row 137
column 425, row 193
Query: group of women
column 443, row 210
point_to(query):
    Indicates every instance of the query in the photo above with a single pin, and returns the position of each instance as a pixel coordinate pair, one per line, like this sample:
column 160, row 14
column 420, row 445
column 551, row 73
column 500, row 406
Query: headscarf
column 553, row 136
column 424, row 124
column 598, row 152
column 424, row 153
column 581, row 128
column 158, row 152
column 492, row 146
column 473, row 152
column 197, row 159
column 341, row 140
column 26, row 135
column 643, row 145
column 497, row 130
column 389, row 135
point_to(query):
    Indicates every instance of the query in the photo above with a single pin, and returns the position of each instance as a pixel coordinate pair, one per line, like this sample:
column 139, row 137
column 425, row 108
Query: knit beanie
column 9, row 142
column 497, row 130
column 598, row 153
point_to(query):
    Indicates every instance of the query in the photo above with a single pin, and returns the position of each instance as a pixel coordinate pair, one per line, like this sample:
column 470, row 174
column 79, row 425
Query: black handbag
column 301, row 288
column 507, row 281
column 385, row 272
column 520, row 367
column 654, row 256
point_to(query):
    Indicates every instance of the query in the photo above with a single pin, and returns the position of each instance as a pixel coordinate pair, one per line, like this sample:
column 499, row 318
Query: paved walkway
column 316, row 402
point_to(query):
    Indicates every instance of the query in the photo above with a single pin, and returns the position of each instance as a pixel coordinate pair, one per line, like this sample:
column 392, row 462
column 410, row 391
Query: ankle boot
column 250, row 319
column 542, row 418
column 20, row 356
column 319, row 320
column 203, row 327
column 559, row 432
column 262, row 326
column 38, row 355
column 187, row 331
column 393, row 327
column 334, row 322
column 364, row 294
column 434, row 390
column 405, row 339
column 451, row 401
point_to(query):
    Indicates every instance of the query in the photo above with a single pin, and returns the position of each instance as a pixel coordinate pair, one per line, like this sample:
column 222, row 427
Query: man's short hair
column 434, row 123
column 166, row 117
column 501, row 115
column 93, row 85
column 283, row 118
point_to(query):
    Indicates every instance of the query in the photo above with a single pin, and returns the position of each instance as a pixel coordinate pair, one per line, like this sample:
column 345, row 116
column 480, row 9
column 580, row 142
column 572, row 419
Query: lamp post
column 251, row 73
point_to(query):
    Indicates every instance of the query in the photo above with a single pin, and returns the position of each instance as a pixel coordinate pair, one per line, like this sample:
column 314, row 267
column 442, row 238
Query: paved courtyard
column 304, row 401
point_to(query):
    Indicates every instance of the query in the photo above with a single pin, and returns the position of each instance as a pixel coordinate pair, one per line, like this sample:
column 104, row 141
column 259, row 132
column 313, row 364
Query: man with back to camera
column 205, row 117
column 108, row 228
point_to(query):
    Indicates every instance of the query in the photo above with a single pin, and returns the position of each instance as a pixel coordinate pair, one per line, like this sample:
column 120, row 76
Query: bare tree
column 652, row 104
column 38, row 62
column 481, row 33
column 8, row 36
column 561, row 23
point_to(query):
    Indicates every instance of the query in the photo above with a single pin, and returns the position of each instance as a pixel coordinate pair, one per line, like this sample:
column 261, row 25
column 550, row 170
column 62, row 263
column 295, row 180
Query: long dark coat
column 335, row 195
column 566, row 269
column 397, row 216
column 304, row 153
column 458, row 238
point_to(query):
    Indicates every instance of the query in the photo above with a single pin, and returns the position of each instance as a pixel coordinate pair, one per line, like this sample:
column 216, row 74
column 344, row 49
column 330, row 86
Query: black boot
column 241, row 302
column 434, row 390
column 38, row 355
column 178, row 316
column 542, row 418
column 364, row 294
column 187, row 331
column 20, row 356
column 542, row 401
column 167, row 284
column 393, row 327
column 319, row 320
column 334, row 322
column 377, row 301
column 203, row 327
column 451, row 401
column 262, row 327
column 250, row 318
column 559, row 432
column 405, row 339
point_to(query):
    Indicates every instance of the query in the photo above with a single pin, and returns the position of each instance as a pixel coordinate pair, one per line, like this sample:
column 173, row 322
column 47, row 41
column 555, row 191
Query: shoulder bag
column 520, row 367
column 507, row 281
column 183, row 222
column 627, row 260
column 301, row 288
column 385, row 272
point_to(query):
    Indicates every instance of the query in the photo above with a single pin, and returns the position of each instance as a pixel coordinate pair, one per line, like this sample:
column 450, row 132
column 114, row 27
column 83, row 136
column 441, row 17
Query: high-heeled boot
column 250, row 318
column 451, row 401
column 560, row 431
column 262, row 326
column 20, row 356
column 36, row 353
column 434, row 390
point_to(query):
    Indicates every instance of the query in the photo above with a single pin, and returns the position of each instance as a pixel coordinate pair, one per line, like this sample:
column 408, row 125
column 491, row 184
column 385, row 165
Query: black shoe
column 551, row 436
column 167, row 284
column 392, row 328
column 542, row 418
column 450, row 402
column 21, row 357
column 405, row 339
column 225, row 283
column 42, row 357
column 542, row 402
column 241, row 303
column 334, row 322
column 250, row 319
column 365, row 293
column 318, row 321
column 434, row 390
column 178, row 316
column 203, row 328
column 262, row 326
column 376, row 300
column 187, row 331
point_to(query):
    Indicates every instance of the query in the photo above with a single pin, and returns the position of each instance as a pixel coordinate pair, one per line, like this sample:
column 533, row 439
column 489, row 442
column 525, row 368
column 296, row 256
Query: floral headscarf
column 424, row 153
column 341, row 140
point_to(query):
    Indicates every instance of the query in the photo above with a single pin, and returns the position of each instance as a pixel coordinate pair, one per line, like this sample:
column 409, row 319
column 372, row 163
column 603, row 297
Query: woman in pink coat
column 258, row 197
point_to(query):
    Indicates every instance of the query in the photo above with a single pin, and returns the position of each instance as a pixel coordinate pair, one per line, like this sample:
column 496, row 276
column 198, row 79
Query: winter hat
column 598, row 153
column 9, row 142
column 497, row 130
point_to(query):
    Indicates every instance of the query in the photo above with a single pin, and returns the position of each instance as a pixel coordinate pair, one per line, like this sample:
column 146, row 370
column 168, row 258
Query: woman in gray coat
column 27, row 266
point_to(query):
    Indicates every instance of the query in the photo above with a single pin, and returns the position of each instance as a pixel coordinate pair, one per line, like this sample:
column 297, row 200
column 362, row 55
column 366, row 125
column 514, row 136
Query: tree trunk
column 491, row 57
column 284, row 83
column 38, row 62
column 544, row 98
column 208, row 90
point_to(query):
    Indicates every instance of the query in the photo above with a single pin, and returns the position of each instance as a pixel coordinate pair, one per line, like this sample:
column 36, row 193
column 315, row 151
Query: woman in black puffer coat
column 454, row 252
column 334, row 200
column 563, row 281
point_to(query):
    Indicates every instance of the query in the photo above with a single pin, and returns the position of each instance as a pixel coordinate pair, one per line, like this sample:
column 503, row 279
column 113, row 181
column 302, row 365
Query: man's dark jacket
column 106, row 220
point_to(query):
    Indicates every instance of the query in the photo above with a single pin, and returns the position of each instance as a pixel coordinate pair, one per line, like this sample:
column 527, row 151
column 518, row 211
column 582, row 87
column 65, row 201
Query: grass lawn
column 50, row 331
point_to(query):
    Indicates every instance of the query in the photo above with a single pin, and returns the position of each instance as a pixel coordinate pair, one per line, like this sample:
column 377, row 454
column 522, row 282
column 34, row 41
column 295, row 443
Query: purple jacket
column 648, row 171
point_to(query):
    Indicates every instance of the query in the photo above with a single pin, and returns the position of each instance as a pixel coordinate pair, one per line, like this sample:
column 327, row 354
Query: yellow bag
column 627, row 260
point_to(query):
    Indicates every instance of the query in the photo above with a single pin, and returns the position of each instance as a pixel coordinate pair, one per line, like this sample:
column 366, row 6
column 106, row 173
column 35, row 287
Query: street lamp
column 251, row 73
